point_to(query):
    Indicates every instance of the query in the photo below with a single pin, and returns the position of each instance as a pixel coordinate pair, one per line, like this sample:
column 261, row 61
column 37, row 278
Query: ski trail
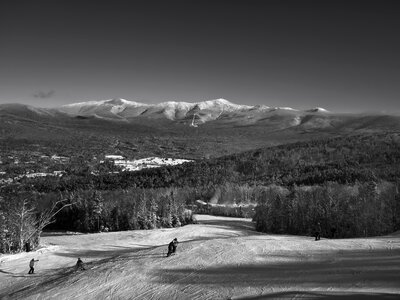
column 219, row 258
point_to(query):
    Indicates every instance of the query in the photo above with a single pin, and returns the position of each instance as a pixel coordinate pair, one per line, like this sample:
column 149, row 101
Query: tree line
column 342, row 211
column 23, row 216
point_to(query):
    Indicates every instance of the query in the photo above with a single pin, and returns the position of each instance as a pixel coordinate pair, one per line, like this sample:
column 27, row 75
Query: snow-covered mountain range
column 182, row 129
column 199, row 112
column 213, row 113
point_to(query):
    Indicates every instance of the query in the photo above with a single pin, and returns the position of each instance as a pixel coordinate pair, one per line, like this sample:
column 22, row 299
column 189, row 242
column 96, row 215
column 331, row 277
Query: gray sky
column 340, row 55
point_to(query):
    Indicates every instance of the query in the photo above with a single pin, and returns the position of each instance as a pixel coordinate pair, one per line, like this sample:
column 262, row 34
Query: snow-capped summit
column 115, row 101
column 120, row 101
column 98, row 108
column 221, row 104
column 203, row 105
column 176, row 110
column 174, row 104
column 318, row 109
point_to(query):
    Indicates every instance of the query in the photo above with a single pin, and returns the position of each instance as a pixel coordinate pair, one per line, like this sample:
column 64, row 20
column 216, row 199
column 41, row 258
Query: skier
column 79, row 264
column 333, row 232
column 31, row 266
column 172, row 246
column 318, row 231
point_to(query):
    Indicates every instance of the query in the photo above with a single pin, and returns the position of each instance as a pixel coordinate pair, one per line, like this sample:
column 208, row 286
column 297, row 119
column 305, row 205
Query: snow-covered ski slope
column 219, row 258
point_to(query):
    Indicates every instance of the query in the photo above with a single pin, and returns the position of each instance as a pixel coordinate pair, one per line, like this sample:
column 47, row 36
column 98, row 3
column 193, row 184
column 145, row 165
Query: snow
column 170, row 108
column 117, row 109
column 117, row 105
column 208, row 104
column 86, row 103
column 284, row 108
column 33, row 175
column 318, row 109
column 59, row 158
column 102, row 102
column 110, row 156
column 175, row 105
column 296, row 121
column 122, row 103
column 223, row 103
column 219, row 258
column 39, row 174
column 261, row 107
column 149, row 162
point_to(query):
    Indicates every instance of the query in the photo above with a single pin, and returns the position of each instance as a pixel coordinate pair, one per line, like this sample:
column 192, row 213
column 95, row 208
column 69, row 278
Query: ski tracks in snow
column 220, row 258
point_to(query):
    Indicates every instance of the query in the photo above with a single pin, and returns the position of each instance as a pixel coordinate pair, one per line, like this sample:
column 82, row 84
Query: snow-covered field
column 219, row 258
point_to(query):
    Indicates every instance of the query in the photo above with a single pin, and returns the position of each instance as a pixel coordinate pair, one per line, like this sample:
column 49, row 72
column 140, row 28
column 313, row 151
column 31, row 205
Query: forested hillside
column 349, row 185
column 344, row 160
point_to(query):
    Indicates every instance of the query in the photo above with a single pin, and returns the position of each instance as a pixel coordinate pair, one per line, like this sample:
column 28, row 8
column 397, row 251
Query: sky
column 340, row 55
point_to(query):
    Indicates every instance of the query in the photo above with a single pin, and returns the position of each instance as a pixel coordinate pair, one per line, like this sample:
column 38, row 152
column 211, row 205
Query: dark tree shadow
column 57, row 275
column 322, row 295
column 319, row 270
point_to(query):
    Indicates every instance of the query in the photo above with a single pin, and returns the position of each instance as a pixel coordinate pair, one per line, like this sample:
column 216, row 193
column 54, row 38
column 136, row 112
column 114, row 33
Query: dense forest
column 350, row 185
column 345, row 160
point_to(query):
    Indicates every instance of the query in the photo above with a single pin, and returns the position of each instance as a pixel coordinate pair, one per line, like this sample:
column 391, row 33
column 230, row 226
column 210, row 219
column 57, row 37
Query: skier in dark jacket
column 31, row 266
column 172, row 246
column 318, row 231
column 79, row 264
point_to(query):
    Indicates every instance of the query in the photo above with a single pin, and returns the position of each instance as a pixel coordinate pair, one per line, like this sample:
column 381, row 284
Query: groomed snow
column 219, row 258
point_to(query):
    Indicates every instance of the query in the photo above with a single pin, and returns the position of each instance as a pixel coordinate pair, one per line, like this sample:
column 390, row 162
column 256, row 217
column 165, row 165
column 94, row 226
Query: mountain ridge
column 217, row 113
column 194, row 130
column 172, row 110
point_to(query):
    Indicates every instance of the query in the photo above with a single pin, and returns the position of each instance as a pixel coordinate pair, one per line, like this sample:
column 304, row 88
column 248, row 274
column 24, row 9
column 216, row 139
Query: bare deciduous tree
column 22, row 224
